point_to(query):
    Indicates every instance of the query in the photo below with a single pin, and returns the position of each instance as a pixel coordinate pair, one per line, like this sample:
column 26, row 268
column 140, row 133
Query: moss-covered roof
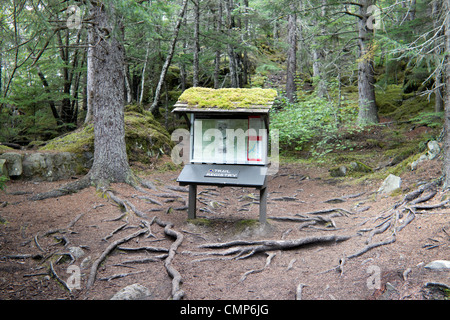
column 227, row 99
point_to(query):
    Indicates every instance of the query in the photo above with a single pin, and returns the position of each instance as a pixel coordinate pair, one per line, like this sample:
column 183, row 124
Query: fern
column 429, row 119
column 3, row 181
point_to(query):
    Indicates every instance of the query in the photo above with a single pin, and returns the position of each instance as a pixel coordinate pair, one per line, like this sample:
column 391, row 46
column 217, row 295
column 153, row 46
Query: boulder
column 354, row 166
column 50, row 166
column 433, row 150
column 415, row 163
column 439, row 265
column 132, row 292
column 14, row 161
column 357, row 166
column 76, row 252
column 338, row 171
column 390, row 184
column 3, row 168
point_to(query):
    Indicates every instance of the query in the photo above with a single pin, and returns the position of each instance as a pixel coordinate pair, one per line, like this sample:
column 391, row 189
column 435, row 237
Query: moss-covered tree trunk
column 110, row 157
column 368, row 111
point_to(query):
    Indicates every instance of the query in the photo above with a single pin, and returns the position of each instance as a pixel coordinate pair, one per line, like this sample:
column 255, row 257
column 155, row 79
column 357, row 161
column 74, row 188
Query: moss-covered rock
column 5, row 148
column 394, row 103
column 355, row 167
column 389, row 99
column 145, row 138
column 77, row 141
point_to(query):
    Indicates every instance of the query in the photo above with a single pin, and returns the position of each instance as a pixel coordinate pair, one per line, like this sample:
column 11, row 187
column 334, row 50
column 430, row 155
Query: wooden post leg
column 192, row 207
column 262, row 205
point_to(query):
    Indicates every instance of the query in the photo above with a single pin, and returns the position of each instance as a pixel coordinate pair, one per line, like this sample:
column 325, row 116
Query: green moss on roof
column 229, row 98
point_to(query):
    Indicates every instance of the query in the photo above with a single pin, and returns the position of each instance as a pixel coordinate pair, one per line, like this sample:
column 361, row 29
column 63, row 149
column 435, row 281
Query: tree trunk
column 153, row 107
column 234, row 74
column 141, row 98
column 218, row 23
column 447, row 99
column 291, row 87
column 368, row 111
column 318, row 57
column 128, row 93
column 436, row 7
column 412, row 10
column 107, row 94
column 92, row 41
column 195, row 81
column 50, row 101
column 246, row 37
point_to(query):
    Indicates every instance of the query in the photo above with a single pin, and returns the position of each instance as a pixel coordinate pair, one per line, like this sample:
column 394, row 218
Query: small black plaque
column 222, row 173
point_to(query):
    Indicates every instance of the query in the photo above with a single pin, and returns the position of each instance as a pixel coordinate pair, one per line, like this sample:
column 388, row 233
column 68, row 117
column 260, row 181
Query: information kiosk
column 228, row 140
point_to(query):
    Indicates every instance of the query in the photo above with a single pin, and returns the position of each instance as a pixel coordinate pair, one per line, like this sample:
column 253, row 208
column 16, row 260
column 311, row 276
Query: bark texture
column 291, row 58
column 447, row 99
column 107, row 94
column 368, row 111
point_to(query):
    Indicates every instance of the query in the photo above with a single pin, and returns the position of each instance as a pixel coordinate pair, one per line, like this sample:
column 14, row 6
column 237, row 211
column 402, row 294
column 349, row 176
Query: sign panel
column 229, row 140
column 222, row 173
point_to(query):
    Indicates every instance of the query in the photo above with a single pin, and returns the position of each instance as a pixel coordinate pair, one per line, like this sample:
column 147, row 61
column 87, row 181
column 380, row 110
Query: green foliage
column 429, row 119
column 312, row 123
column 3, row 181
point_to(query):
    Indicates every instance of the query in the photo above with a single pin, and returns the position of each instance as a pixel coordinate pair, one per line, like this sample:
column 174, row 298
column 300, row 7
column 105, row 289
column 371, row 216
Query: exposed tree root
column 64, row 190
column 107, row 251
column 87, row 181
column 177, row 293
column 371, row 246
column 270, row 256
column 298, row 293
column 392, row 221
column 55, row 275
column 243, row 249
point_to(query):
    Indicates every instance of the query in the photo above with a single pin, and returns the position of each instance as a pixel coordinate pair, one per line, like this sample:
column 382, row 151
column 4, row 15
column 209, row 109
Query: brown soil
column 311, row 265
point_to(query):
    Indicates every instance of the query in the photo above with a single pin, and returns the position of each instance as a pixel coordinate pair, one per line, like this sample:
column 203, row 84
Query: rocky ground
column 47, row 245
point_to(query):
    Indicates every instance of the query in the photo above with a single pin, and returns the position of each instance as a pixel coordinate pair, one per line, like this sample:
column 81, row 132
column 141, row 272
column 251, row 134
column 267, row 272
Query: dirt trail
column 229, row 215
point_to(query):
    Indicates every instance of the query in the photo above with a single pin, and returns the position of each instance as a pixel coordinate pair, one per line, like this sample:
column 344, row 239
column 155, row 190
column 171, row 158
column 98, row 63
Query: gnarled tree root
column 87, row 181
column 177, row 293
column 244, row 249
column 64, row 190
column 108, row 250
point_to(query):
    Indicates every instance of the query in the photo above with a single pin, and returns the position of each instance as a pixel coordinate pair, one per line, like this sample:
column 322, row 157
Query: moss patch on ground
column 393, row 103
column 228, row 98
column 5, row 148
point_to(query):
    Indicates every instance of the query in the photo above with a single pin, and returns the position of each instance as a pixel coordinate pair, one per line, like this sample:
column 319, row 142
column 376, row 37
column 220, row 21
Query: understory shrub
column 313, row 123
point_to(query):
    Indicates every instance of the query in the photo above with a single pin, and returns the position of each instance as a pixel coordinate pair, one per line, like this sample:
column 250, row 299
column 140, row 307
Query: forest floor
column 392, row 271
